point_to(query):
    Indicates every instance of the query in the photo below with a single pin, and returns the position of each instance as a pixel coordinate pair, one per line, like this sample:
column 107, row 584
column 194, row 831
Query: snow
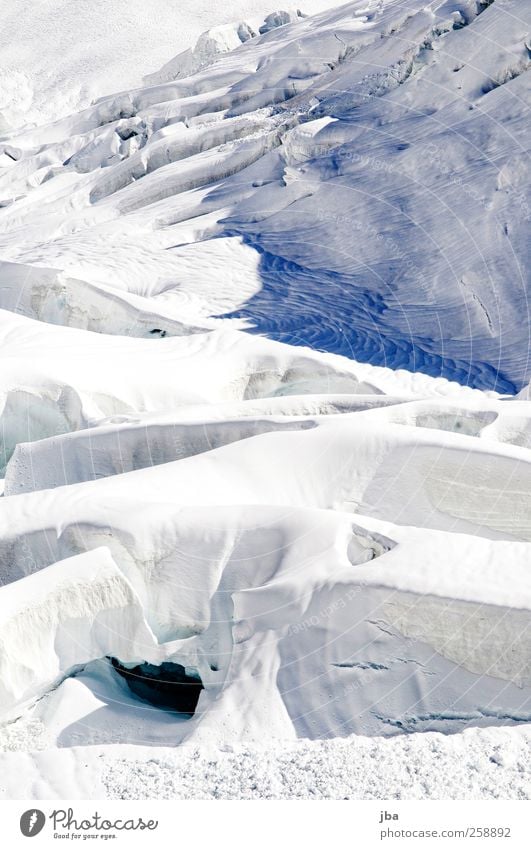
column 251, row 154
column 121, row 41
column 55, row 621
column 428, row 631
column 264, row 403
column 478, row 764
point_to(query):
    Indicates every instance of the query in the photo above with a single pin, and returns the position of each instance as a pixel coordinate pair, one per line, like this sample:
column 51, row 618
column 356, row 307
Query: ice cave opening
column 169, row 686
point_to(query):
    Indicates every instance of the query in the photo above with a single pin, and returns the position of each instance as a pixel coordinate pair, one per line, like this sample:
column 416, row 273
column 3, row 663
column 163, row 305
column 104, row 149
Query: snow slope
column 103, row 45
column 382, row 215
column 261, row 329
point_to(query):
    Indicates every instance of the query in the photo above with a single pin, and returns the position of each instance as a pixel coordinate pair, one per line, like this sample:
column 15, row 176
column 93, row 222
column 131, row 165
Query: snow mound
column 55, row 622
column 216, row 41
column 299, row 622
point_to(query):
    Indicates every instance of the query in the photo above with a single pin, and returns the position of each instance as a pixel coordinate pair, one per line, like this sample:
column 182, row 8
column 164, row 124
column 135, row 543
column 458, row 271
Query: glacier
column 265, row 413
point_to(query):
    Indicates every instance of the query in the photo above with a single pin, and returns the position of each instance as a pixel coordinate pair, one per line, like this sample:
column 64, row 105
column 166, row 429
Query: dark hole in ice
column 158, row 332
column 127, row 132
column 168, row 686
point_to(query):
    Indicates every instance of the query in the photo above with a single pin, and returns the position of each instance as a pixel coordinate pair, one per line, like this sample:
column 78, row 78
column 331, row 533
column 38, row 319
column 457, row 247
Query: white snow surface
column 478, row 764
column 290, row 188
column 57, row 56
column 262, row 323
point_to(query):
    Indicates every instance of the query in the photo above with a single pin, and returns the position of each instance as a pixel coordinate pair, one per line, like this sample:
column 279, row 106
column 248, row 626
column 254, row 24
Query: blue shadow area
column 332, row 312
